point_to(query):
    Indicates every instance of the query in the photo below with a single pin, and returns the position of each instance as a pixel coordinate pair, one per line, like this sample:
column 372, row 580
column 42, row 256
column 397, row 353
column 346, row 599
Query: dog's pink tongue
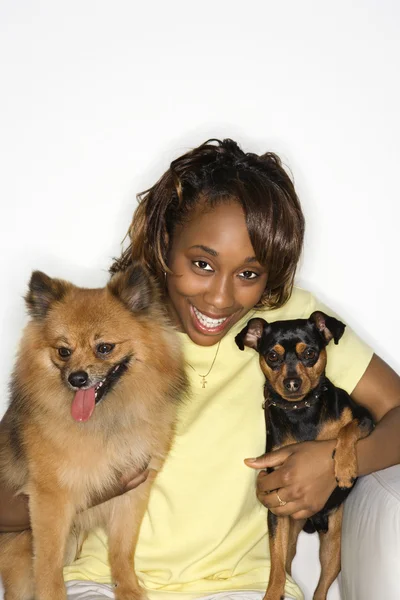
column 83, row 405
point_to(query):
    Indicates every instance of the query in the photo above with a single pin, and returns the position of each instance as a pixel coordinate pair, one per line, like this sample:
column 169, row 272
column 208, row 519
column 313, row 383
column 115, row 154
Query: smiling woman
column 222, row 232
column 219, row 224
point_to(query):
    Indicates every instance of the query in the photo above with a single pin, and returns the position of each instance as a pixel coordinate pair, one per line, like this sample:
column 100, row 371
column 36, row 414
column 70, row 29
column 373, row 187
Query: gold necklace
column 203, row 377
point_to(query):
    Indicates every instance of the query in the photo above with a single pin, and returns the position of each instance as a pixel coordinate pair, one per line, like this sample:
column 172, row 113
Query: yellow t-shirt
column 204, row 530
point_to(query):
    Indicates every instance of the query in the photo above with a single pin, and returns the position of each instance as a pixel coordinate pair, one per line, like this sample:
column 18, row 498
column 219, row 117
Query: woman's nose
column 220, row 293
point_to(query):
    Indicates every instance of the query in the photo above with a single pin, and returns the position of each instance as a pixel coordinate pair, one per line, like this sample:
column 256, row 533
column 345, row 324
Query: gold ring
column 281, row 502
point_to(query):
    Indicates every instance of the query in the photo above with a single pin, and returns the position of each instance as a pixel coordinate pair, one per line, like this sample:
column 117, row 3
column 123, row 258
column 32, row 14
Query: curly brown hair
column 214, row 172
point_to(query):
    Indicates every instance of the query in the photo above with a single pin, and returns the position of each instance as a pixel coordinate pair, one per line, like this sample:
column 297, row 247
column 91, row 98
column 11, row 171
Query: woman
column 222, row 231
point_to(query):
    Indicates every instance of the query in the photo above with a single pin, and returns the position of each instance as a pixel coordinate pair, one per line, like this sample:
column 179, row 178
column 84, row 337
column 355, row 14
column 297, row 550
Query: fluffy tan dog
column 95, row 391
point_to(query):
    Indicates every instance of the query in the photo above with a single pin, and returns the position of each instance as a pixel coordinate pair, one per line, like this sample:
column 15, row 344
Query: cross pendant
column 204, row 381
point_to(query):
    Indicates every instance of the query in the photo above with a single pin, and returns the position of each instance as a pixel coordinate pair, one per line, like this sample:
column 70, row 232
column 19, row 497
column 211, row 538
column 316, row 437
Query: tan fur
column 270, row 374
column 295, row 527
column 329, row 554
column 300, row 347
column 310, row 376
column 279, row 349
column 330, row 429
column 278, row 549
column 345, row 459
column 66, row 466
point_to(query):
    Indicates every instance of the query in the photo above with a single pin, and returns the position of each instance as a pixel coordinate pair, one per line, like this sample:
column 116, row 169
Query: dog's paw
column 271, row 595
column 345, row 483
column 345, row 468
column 129, row 592
column 345, row 475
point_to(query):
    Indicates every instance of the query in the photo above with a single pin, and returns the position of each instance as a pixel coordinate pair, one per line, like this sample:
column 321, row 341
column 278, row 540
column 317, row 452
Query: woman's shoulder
column 347, row 361
column 299, row 306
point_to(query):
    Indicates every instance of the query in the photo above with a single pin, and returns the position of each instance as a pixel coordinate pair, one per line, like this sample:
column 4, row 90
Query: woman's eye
column 203, row 265
column 248, row 275
column 272, row 356
column 64, row 352
column 105, row 348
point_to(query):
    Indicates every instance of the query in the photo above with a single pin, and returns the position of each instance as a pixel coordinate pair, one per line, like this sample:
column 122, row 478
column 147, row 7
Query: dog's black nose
column 292, row 384
column 78, row 379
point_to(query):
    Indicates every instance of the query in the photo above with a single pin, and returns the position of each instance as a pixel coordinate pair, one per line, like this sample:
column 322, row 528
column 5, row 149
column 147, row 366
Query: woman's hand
column 304, row 478
column 127, row 482
column 14, row 511
column 133, row 480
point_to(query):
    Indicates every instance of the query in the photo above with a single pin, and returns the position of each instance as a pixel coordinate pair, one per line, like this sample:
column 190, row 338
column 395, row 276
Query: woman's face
column 216, row 278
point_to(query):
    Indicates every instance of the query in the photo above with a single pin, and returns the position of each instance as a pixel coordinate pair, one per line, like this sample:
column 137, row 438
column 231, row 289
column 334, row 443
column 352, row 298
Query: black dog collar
column 287, row 405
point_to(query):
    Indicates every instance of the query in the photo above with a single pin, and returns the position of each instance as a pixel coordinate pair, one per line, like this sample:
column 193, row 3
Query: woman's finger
column 282, row 504
column 267, row 482
column 276, row 498
column 136, row 481
column 266, row 485
column 284, row 511
column 271, row 459
column 302, row 514
column 285, row 502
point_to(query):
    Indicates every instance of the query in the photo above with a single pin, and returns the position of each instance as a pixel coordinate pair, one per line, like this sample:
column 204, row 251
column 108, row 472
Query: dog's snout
column 292, row 384
column 78, row 379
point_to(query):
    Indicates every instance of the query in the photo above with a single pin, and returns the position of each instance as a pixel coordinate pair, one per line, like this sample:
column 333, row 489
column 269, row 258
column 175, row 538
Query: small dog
column 301, row 404
column 95, row 392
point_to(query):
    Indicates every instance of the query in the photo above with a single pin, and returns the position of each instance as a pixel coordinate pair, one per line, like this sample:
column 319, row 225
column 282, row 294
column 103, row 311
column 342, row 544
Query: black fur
column 325, row 401
column 304, row 424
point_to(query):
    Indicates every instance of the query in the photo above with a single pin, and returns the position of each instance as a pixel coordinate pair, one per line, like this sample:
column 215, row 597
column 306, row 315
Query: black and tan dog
column 301, row 404
column 95, row 391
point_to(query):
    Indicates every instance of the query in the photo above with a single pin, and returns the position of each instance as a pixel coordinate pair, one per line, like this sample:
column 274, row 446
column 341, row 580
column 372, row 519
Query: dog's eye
column 309, row 354
column 64, row 352
column 105, row 348
column 272, row 356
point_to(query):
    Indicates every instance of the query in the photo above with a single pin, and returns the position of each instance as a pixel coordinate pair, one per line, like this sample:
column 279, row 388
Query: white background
column 97, row 97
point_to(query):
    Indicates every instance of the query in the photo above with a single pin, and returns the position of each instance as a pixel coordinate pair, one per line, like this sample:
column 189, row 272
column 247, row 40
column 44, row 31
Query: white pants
column 86, row 590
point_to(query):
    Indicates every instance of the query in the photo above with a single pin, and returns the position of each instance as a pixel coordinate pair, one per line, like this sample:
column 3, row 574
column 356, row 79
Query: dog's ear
column 251, row 334
column 43, row 291
column 328, row 326
column 134, row 287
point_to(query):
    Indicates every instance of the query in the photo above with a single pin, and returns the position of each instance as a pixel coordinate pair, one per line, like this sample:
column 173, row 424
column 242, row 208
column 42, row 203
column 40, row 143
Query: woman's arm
column 305, row 477
column 14, row 510
column 379, row 391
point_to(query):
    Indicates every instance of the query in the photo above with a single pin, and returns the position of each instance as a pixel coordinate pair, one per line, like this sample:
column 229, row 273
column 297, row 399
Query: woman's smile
column 206, row 323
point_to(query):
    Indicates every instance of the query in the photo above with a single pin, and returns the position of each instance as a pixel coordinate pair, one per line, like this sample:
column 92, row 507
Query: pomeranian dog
column 94, row 395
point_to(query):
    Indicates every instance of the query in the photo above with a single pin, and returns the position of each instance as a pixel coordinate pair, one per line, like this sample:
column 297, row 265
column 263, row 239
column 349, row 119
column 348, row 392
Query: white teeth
column 207, row 321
